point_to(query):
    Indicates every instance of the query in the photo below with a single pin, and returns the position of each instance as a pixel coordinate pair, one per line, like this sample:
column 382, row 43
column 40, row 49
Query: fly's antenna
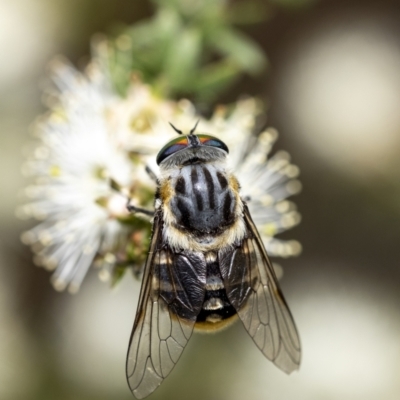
column 194, row 128
column 193, row 140
column 177, row 130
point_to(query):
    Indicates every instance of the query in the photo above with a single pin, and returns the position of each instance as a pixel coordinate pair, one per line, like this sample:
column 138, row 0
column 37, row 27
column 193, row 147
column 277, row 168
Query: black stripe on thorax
column 222, row 180
column 194, row 176
column 210, row 187
column 197, row 192
column 180, row 186
column 228, row 215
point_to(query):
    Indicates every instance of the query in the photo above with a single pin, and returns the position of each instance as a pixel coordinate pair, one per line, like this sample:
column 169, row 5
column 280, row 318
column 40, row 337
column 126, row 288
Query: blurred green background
column 333, row 84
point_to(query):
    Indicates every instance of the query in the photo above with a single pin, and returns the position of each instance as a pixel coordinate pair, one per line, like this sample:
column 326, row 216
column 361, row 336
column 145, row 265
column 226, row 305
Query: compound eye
column 172, row 147
column 207, row 140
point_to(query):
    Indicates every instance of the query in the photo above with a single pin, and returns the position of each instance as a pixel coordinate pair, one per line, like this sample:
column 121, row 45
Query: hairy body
column 206, row 265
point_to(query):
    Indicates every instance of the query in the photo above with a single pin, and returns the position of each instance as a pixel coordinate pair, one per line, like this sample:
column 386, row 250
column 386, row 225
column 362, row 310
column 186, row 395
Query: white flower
column 73, row 162
column 93, row 138
column 267, row 183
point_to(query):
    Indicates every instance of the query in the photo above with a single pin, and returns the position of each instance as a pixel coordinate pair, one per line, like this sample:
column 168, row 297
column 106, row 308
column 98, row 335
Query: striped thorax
column 200, row 200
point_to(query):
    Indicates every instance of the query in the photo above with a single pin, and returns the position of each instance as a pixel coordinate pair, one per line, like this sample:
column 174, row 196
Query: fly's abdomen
column 216, row 311
column 203, row 200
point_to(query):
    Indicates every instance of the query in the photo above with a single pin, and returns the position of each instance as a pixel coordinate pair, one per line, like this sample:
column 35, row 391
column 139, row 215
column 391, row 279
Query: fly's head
column 191, row 149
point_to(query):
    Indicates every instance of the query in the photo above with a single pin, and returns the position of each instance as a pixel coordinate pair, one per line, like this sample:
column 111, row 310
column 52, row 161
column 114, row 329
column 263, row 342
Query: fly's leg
column 151, row 174
column 133, row 209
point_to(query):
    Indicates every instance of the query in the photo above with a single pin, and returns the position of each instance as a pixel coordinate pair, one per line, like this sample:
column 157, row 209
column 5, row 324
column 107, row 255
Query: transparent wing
column 166, row 314
column 253, row 290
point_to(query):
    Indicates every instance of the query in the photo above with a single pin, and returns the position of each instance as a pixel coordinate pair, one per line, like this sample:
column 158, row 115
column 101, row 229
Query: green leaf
column 214, row 78
column 246, row 53
column 118, row 273
column 187, row 47
column 183, row 59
